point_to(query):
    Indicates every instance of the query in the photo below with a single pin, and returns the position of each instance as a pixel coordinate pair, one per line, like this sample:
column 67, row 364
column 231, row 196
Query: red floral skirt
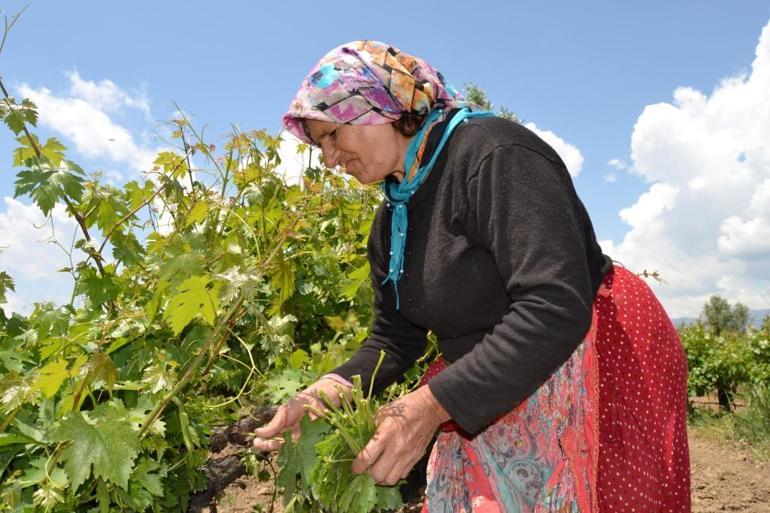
column 605, row 433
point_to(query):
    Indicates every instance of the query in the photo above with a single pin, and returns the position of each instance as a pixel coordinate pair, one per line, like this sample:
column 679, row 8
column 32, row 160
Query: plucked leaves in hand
column 331, row 482
column 298, row 458
column 107, row 443
column 197, row 297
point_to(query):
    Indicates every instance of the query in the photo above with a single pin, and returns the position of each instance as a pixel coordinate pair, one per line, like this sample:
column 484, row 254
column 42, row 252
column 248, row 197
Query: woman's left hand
column 404, row 429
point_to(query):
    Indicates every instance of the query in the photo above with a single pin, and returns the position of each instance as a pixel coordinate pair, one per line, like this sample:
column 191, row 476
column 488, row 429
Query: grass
column 748, row 427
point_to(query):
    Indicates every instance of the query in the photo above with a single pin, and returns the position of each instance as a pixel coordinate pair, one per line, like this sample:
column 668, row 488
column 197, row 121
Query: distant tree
column 720, row 317
column 766, row 324
column 477, row 95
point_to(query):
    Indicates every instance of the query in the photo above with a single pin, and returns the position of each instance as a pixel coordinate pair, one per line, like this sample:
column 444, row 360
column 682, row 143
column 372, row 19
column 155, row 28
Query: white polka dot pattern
column 643, row 456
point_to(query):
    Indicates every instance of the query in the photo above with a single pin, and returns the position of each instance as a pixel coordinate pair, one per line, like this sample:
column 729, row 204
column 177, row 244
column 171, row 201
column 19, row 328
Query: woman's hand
column 404, row 429
column 268, row 437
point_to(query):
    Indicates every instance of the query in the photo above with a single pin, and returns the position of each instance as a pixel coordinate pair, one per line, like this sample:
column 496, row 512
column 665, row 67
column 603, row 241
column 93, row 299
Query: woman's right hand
column 268, row 437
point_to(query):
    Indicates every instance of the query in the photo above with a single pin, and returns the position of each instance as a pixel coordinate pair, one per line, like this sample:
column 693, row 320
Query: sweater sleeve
column 525, row 212
column 402, row 341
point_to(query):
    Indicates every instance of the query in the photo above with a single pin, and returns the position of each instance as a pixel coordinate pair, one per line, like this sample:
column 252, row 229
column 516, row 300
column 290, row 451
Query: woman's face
column 369, row 153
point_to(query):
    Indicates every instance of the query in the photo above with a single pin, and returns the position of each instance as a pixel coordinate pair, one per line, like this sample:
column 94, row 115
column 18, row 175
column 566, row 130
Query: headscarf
column 372, row 83
column 368, row 83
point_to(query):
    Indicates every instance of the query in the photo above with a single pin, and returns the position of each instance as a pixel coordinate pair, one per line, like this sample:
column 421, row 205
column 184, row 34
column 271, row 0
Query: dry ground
column 724, row 478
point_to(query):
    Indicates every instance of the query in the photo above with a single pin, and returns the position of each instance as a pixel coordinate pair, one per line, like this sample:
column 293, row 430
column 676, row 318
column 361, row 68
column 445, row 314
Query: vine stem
column 73, row 211
column 213, row 344
column 214, row 341
column 138, row 208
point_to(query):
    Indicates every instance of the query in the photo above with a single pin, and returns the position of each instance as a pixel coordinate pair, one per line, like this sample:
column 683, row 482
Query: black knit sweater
column 501, row 263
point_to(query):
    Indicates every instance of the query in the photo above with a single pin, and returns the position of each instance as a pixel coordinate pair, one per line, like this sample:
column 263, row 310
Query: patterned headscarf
column 368, row 83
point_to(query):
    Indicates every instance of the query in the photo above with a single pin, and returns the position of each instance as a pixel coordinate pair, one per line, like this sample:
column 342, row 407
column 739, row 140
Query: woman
column 562, row 384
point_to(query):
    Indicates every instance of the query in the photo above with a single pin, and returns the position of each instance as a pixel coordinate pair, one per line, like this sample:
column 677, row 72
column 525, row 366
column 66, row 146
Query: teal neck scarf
column 399, row 193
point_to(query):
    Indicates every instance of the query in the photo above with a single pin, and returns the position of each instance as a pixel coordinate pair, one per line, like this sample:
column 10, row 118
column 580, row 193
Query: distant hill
column 755, row 316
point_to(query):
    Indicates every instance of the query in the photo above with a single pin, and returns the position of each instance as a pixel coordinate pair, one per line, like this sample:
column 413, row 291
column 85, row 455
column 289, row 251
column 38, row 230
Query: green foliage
column 220, row 288
column 715, row 363
column 720, row 317
column 474, row 94
column 108, row 443
column 753, row 424
column 720, row 357
column 316, row 470
column 6, row 284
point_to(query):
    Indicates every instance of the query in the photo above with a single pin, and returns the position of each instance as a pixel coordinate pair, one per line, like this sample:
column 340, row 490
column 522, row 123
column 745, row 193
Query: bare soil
column 724, row 478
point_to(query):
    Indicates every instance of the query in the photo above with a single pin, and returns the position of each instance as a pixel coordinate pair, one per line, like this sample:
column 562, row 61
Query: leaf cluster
column 315, row 471
column 197, row 291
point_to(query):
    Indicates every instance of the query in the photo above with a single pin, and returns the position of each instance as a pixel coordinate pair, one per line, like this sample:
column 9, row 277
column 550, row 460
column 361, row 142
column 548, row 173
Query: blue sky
column 595, row 74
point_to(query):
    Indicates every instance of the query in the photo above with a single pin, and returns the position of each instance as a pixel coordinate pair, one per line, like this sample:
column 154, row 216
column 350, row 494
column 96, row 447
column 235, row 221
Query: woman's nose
column 331, row 156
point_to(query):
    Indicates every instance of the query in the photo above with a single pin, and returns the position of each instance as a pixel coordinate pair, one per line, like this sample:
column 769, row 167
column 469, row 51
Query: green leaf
column 171, row 163
column 197, row 213
column 360, row 495
column 389, row 498
column 99, row 290
column 354, row 281
column 102, row 368
column 138, row 195
column 126, row 248
column 11, row 439
column 298, row 358
column 29, row 111
column 32, row 432
column 108, row 444
column 312, row 432
column 145, row 484
column 283, row 281
column 197, row 296
column 284, row 385
column 54, row 150
column 183, row 265
column 25, row 151
column 299, row 457
column 50, row 378
column 46, row 184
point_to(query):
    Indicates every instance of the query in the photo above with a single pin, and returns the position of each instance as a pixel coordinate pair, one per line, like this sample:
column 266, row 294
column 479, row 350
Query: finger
column 367, row 456
column 386, row 470
column 395, row 475
column 275, row 425
column 267, row 445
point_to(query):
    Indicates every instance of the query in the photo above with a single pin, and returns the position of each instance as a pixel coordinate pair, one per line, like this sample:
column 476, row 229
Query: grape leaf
column 389, row 498
column 108, row 444
column 46, row 185
column 283, row 280
column 6, row 283
column 360, row 495
column 299, row 457
column 197, row 213
column 197, row 296
column 126, row 247
column 51, row 376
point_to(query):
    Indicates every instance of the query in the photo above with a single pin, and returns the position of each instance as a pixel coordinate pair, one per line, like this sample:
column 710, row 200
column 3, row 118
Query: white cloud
column 617, row 164
column 570, row 154
column 28, row 254
column 83, row 118
column 610, row 177
column 650, row 205
column 106, row 95
column 704, row 224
